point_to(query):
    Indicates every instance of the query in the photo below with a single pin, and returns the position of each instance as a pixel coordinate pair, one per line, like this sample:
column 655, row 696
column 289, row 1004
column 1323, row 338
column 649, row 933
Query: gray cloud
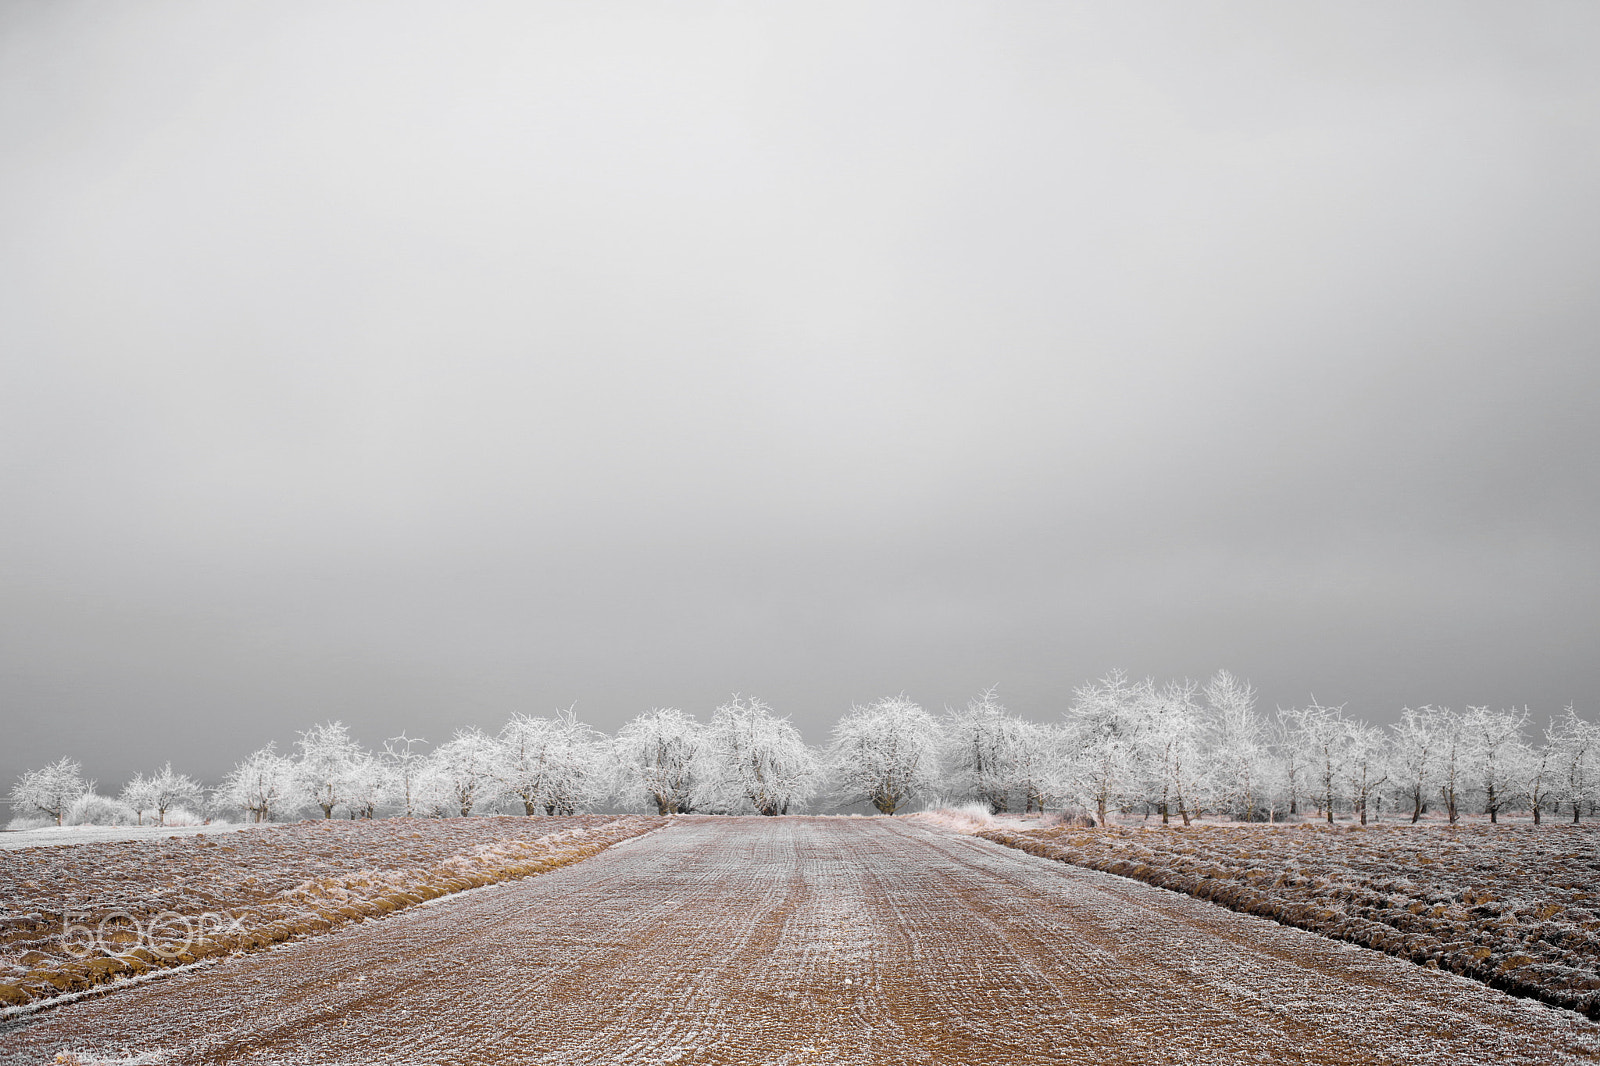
column 413, row 366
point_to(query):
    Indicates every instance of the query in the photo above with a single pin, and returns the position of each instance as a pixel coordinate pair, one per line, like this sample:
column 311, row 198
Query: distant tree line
column 1124, row 747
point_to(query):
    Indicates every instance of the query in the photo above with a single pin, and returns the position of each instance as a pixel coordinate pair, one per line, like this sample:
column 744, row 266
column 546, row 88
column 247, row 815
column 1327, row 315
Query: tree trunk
column 1535, row 814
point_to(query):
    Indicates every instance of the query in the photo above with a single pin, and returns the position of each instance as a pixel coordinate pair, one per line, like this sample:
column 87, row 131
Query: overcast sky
column 417, row 364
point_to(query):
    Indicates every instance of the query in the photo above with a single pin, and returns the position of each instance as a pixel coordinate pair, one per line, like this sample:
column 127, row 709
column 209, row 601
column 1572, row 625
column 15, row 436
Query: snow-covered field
column 104, row 834
column 76, row 917
column 1516, row 906
column 811, row 940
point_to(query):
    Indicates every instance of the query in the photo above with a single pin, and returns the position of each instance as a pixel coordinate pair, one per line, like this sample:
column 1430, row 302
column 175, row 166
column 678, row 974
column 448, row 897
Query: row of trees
column 1174, row 750
column 1184, row 750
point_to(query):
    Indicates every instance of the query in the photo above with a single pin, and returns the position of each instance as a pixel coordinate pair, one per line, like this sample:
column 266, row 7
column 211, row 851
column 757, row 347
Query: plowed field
column 1511, row 905
column 723, row 940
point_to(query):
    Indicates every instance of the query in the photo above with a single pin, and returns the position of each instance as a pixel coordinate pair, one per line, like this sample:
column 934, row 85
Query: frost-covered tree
column 1172, row 738
column 50, row 789
column 664, row 756
column 406, row 764
column 431, row 793
column 1494, row 753
column 166, row 790
column 885, row 754
column 369, row 785
column 322, row 772
column 982, row 752
column 1573, row 744
column 463, row 768
column 1363, row 766
column 1413, row 754
column 760, row 759
column 1236, row 740
column 554, row 765
column 1323, row 733
column 138, row 796
column 1039, row 776
column 1538, row 775
column 1453, row 763
column 1289, row 756
column 1105, row 730
column 259, row 784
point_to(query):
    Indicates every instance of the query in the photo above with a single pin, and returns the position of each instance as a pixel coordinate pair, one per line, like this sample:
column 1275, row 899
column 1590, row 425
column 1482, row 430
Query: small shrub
column 18, row 825
column 91, row 808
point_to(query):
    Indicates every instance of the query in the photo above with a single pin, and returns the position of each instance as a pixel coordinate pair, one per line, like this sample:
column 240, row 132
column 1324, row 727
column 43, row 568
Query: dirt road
column 723, row 940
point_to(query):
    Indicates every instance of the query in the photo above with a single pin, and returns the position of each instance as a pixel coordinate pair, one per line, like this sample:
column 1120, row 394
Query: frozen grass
column 968, row 818
column 182, row 898
column 1517, row 907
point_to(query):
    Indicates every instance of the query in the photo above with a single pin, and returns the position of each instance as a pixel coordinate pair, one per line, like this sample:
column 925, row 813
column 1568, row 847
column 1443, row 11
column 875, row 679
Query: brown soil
column 798, row 940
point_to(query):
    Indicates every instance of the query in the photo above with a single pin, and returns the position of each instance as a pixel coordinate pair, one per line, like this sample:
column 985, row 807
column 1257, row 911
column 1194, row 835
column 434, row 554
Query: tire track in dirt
column 813, row 940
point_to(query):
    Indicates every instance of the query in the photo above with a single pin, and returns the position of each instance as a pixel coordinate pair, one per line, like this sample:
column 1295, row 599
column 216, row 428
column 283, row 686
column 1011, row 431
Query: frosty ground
column 793, row 940
column 1512, row 905
column 104, row 834
column 74, row 918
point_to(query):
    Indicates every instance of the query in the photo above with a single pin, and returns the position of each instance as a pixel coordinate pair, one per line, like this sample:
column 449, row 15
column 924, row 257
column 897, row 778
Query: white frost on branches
column 984, row 754
column 163, row 791
column 324, row 769
column 664, row 757
column 551, row 765
column 885, row 754
column 1107, row 730
column 1123, row 747
column 49, row 790
column 259, row 785
column 461, row 773
column 761, row 760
